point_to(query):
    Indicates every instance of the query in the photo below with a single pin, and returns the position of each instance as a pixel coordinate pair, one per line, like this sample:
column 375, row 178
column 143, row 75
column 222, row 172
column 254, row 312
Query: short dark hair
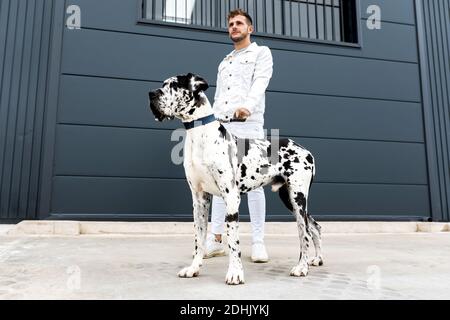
column 240, row 12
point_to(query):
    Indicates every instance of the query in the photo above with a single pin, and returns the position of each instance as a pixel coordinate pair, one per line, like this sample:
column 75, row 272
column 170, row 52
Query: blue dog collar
column 199, row 122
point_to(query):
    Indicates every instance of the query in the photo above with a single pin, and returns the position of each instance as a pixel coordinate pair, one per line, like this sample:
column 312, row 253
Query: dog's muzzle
column 154, row 105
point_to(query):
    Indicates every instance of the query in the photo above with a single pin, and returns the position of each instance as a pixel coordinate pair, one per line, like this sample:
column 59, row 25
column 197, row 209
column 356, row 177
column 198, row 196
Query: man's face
column 239, row 29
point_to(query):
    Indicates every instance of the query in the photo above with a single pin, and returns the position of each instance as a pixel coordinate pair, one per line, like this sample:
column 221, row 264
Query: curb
column 77, row 228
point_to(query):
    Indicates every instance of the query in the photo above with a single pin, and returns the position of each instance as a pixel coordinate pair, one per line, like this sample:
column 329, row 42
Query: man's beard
column 238, row 39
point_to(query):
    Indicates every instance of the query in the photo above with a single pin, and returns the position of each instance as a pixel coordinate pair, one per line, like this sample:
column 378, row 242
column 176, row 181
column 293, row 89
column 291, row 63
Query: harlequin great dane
column 215, row 165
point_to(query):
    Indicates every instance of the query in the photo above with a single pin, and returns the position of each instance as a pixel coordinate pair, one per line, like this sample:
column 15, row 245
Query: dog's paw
column 316, row 261
column 234, row 276
column 189, row 272
column 300, row 270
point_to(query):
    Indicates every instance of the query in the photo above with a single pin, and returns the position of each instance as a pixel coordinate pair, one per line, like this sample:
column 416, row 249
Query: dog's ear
column 197, row 83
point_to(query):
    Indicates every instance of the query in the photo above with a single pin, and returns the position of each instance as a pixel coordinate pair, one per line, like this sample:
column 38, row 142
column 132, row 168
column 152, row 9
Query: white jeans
column 256, row 207
column 256, row 198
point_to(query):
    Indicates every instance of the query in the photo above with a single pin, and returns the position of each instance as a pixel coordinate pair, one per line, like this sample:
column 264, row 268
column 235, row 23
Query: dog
column 214, row 165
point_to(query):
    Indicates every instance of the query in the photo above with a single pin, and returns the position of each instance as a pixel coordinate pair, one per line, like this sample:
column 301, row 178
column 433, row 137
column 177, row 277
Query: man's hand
column 242, row 113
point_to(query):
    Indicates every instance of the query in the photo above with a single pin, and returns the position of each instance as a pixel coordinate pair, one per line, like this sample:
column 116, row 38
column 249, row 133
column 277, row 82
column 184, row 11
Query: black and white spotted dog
column 214, row 165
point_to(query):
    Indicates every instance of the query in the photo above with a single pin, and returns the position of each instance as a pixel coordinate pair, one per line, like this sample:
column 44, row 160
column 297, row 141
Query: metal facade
column 79, row 142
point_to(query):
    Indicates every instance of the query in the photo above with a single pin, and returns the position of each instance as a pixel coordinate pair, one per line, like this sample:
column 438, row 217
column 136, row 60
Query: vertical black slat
column 211, row 13
column 325, row 27
column 144, row 9
column 348, row 22
column 308, row 19
column 283, row 18
column 333, row 31
column 316, row 18
column 201, row 13
column 342, row 21
column 153, row 9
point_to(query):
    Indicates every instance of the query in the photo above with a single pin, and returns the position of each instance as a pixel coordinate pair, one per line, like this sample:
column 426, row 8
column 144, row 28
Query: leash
column 232, row 120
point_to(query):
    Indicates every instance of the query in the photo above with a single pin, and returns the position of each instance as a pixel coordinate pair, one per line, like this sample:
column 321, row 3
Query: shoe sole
column 260, row 260
column 215, row 254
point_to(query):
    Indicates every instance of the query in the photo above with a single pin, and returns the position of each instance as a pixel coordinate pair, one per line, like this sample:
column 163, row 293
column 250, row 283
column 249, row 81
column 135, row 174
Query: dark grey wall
column 24, row 53
column 358, row 109
column 434, row 26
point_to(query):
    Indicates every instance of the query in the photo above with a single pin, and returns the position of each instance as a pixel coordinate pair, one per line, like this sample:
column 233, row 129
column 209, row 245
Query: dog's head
column 179, row 97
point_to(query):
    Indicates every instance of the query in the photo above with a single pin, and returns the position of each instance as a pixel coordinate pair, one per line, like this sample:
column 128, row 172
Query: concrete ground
column 357, row 266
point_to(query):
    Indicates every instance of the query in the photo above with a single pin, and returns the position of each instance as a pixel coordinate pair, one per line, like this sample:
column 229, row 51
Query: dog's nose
column 152, row 95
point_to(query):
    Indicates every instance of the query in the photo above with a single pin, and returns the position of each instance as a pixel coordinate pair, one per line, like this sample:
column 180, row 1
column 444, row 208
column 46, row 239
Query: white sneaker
column 259, row 253
column 214, row 248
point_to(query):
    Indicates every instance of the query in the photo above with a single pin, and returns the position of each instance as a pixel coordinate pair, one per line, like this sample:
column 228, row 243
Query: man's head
column 240, row 25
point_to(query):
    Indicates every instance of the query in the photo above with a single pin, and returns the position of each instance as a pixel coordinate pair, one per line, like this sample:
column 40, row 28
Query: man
column 243, row 77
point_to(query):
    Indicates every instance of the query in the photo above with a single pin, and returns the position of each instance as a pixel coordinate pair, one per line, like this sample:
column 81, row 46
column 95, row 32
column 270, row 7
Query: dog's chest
column 200, row 151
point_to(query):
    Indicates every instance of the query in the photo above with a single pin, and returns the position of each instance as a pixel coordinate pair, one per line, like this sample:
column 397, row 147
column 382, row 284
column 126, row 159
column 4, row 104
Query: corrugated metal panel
column 434, row 33
column 24, row 48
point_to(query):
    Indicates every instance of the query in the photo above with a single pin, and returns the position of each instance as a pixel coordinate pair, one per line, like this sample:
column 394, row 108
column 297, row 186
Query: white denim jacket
column 242, row 80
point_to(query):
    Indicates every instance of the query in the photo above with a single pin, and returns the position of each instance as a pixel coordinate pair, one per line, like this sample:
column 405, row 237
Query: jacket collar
column 250, row 48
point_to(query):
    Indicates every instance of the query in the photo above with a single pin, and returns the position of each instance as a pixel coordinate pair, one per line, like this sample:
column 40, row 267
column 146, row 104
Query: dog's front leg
column 202, row 202
column 235, row 274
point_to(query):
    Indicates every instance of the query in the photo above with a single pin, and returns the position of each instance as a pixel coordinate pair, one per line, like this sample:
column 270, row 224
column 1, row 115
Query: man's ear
column 198, row 84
